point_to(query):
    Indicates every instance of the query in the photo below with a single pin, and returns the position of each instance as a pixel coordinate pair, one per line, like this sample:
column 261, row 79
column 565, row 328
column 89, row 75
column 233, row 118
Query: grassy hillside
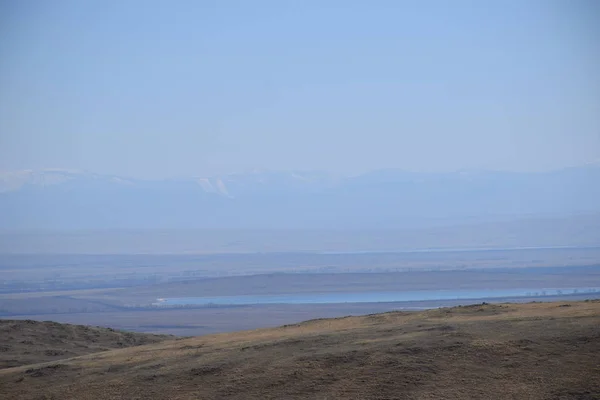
column 28, row 342
column 504, row 351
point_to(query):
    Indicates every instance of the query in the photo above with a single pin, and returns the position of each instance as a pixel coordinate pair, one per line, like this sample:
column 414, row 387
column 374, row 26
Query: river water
column 371, row 297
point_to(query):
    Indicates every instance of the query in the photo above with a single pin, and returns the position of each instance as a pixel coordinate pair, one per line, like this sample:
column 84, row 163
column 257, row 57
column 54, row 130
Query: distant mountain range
column 62, row 199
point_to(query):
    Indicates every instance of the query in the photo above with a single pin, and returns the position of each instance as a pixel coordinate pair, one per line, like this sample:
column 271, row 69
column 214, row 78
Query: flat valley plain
column 484, row 351
column 118, row 291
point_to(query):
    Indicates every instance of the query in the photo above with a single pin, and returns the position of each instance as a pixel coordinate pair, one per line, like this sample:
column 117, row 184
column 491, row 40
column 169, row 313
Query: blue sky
column 174, row 88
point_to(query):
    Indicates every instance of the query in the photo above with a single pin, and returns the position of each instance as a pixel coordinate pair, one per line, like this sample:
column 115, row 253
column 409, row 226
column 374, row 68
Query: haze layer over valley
column 387, row 199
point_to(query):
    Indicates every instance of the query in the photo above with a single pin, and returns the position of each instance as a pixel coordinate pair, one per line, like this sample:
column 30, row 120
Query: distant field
column 208, row 320
column 119, row 290
column 362, row 282
column 53, row 272
column 130, row 308
column 203, row 321
column 448, row 233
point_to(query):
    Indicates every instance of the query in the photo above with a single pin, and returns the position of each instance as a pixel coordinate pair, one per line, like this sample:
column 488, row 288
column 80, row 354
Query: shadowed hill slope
column 504, row 351
column 28, row 342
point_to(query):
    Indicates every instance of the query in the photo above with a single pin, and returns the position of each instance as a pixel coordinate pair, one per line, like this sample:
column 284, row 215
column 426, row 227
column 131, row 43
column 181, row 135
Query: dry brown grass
column 27, row 342
column 501, row 351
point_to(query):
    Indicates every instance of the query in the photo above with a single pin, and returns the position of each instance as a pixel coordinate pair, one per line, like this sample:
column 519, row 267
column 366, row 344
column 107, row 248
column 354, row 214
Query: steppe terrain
column 27, row 342
column 485, row 351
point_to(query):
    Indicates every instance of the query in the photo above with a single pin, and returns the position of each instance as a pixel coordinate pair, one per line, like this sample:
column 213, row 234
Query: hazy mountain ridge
column 386, row 198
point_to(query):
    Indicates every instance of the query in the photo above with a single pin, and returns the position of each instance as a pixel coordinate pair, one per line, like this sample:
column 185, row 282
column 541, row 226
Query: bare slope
column 507, row 351
column 28, row 342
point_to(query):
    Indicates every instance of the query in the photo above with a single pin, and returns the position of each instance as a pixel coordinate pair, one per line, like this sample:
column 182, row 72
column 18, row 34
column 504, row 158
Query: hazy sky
column 171, row 88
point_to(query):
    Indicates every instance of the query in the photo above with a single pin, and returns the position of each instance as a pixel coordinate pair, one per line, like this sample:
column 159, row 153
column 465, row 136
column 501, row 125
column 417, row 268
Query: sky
column 156, row 89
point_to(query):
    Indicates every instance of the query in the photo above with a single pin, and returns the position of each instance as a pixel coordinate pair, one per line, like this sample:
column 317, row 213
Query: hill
column 27, row 342
column 503, row 351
